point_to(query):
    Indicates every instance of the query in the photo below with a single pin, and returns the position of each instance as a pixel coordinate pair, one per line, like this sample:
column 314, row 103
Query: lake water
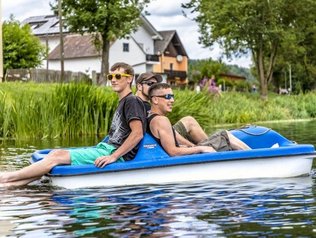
column 237, row 208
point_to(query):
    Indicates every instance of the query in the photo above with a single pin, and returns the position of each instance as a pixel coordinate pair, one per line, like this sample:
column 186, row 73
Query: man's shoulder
column 133, row 105
column 160, row 120
column 135, row 102
column 133, row 98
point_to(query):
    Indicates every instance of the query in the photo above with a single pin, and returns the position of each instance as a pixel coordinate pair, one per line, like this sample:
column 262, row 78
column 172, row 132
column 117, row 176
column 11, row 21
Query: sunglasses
column 117, row 76
column 166, row 96
column 149, row 83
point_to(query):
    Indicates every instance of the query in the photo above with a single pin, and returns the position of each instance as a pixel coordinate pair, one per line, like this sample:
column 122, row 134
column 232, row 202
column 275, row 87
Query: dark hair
column 156, row 87
column 147, row 76
column 127, row 68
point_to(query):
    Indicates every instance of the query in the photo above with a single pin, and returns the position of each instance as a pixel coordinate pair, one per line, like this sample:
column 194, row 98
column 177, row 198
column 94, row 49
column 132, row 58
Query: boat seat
column 257, row 137
column 149, row 149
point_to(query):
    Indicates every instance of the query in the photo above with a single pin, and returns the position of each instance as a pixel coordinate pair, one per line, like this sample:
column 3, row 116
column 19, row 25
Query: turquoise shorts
column 81, row 156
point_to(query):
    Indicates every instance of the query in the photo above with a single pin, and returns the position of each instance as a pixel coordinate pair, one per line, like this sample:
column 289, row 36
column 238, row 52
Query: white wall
column 84, row 65
column 135, row 57
column 53, row 42
column 142, row 36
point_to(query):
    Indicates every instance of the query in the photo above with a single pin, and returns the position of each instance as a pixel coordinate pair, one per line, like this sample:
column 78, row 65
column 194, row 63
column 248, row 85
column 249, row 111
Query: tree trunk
column 105, row 61
column 259, row 59
column 272, row 61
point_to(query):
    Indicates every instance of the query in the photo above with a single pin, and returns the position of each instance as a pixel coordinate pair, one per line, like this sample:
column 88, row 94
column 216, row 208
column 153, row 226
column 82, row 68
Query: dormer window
column 125, row 47
column 35, row 25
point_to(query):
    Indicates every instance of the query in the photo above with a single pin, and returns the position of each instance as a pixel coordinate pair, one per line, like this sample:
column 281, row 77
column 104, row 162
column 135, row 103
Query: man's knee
column 59, row 156
column 188, row 122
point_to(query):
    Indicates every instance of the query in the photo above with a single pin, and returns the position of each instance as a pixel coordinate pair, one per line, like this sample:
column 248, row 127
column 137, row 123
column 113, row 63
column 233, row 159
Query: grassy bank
column 49, row 110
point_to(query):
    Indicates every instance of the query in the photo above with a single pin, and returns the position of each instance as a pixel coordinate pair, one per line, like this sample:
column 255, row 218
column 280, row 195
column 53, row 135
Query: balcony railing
column 172, row 74
column 153, row 58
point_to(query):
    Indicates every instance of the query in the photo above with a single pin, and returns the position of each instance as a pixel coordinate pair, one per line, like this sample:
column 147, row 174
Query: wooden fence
column 44, row 76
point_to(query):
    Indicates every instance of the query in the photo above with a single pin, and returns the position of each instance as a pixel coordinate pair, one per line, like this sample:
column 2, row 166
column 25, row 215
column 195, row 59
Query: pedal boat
column 271, row 156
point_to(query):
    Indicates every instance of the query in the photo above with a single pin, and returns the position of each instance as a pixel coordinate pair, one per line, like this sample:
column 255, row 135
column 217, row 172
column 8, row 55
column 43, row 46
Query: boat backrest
column 257, row 137
column 149, row 149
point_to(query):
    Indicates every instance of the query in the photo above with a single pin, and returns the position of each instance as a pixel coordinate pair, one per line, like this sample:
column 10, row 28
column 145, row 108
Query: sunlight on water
column 237, row 208
column 260, row 207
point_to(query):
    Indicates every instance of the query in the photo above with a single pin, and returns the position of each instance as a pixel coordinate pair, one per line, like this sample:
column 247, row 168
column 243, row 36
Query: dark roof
column 232, row 76
column 49, row 24
column 169, row 37
column 42, row 25
column 75, row 46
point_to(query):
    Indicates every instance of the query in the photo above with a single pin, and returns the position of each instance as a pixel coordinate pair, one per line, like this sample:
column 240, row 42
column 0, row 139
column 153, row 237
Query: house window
column 125, row 47
column 171, row 66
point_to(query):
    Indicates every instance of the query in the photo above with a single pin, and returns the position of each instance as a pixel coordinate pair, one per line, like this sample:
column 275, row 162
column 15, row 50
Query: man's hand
column 104, row 160
column 206, row 149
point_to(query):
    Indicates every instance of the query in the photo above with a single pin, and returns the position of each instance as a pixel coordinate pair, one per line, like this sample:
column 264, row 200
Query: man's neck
column 124, row 93
column 157, row 111
column 142, row 96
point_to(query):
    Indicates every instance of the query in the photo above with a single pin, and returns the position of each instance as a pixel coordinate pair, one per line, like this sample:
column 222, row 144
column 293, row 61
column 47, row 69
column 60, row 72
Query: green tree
column 299, row 62
column 21, row 49
column 106, row 20
column 198, row 69
column 258, row 26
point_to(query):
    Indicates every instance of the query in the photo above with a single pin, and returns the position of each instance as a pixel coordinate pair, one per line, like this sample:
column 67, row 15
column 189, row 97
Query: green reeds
column 241, row 108
column 51, row 110
column 56, row 110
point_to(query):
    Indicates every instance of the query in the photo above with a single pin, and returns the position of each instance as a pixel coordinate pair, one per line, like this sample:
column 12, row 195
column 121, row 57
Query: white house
column 80, row 55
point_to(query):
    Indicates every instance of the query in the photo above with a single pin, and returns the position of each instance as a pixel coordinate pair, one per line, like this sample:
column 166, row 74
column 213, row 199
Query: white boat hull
column 275, row 167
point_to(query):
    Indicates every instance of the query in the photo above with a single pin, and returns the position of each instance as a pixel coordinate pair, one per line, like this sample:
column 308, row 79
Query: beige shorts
column 180, row 128
column 219, row 141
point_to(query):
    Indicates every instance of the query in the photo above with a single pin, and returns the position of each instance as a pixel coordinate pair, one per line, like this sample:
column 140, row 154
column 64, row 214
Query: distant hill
column 230, row 69
column 241, row 71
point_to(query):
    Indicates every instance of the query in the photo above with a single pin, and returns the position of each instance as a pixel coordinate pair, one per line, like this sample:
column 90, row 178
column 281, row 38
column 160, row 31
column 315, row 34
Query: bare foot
column 2, row 177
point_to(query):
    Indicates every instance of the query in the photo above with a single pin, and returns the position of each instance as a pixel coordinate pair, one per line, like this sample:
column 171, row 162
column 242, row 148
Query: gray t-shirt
column 129, row 108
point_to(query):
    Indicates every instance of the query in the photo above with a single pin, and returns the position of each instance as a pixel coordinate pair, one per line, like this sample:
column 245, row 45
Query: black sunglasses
column 149, row 83
column 166, row 96
column 117, row 76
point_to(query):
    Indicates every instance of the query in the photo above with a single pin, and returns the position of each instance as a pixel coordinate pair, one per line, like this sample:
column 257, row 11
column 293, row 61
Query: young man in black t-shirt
column 127, row 129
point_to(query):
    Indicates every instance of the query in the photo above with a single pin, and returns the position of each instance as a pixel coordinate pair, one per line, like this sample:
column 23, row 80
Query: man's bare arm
column 131, row 141
column 161, row 126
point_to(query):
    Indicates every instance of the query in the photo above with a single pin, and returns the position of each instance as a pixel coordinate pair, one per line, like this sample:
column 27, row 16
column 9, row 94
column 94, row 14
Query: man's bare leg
column 18, row 183
column 236, row 143
column 37, row 169
column 194, row 129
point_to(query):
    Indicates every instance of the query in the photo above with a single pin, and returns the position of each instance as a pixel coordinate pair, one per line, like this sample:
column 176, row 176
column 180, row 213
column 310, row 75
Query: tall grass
column 241, row 108
column 51, row 110
column 55, row 110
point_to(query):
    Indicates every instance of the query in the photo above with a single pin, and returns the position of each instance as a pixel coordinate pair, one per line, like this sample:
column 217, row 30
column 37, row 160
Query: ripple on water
column 243, row 208
column 260, row 207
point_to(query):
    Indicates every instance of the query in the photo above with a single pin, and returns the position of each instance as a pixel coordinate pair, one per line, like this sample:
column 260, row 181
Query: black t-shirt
column 129, row 108
column 147, row 106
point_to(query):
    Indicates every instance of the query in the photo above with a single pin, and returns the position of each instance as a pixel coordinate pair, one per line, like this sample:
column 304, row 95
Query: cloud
column 165, row 8
column 172, row 18
column 164, row 15
column 21, row 9
column 168, row 15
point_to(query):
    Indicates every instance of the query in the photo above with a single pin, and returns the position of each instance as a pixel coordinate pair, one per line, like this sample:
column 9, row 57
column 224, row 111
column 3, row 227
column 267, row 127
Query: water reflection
column 258, row 207
column 254, row 208
column 302, row 132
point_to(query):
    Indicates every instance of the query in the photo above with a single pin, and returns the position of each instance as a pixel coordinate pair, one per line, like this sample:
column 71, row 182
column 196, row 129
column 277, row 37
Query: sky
column 164, row 15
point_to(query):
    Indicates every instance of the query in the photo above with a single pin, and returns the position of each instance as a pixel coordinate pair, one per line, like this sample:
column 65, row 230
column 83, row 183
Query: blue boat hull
column 153, row 165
